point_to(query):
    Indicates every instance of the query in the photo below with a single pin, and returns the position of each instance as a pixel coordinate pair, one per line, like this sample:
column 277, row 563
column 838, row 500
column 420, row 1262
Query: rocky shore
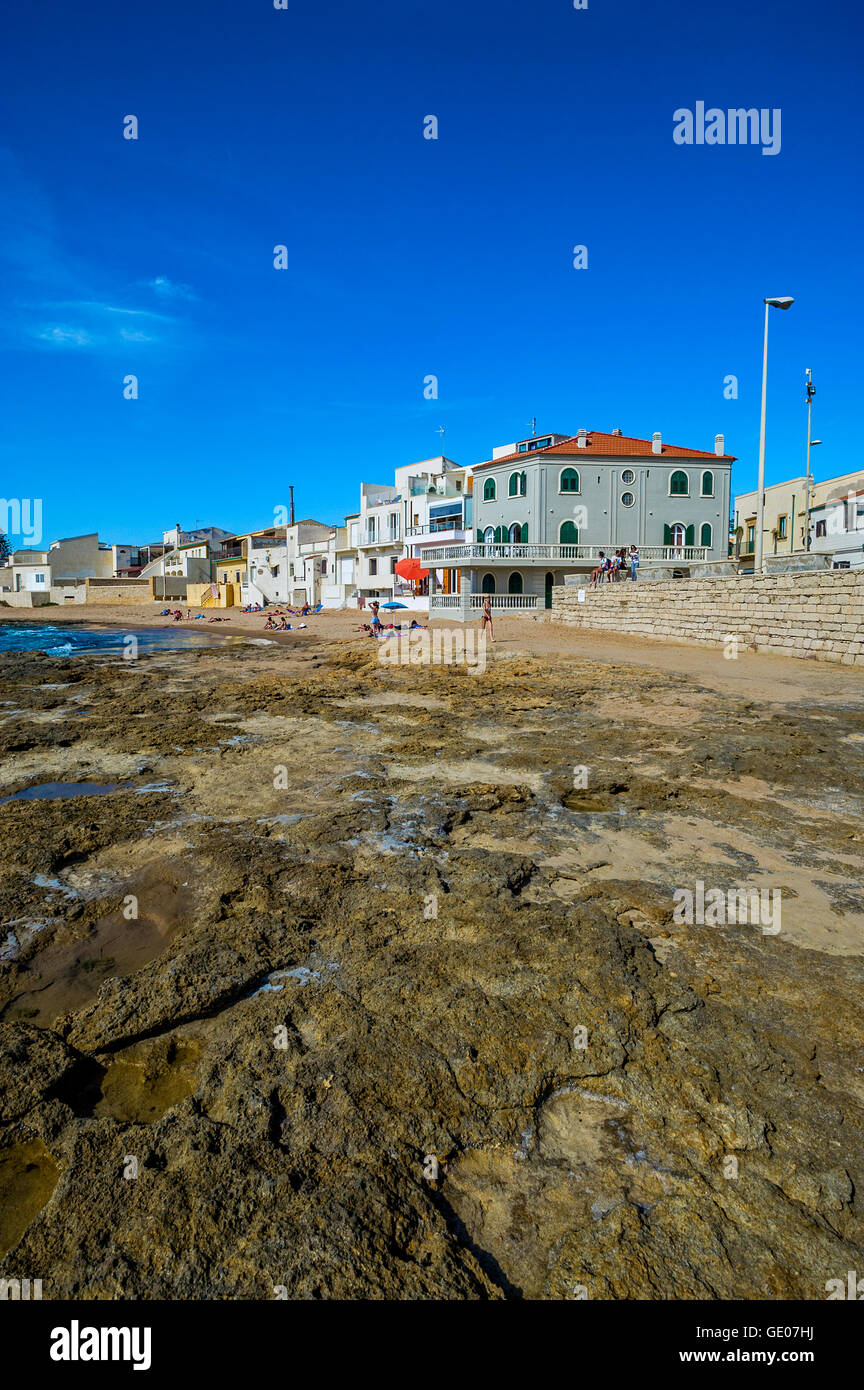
column 341, row 927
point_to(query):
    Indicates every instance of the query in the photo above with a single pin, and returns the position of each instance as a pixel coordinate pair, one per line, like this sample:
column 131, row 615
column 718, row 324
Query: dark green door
column 550, row 580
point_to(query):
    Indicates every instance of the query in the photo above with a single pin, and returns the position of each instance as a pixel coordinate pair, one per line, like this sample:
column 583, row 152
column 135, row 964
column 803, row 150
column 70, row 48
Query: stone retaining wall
column 121, row 591
column 817, row 615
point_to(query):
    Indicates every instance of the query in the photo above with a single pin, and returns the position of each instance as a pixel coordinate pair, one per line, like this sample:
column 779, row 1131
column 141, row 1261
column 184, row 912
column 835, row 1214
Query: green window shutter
column 568, row 534
column 690, row 535
column 523, row 484
column 524, row 532
column 705, row 533
column 489, row 490
column 513, row 484
column 678, row 485
column 667, row 534
column 479, row 534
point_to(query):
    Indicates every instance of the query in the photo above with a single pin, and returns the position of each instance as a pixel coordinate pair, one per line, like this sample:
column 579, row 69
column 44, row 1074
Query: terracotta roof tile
column 609, row 445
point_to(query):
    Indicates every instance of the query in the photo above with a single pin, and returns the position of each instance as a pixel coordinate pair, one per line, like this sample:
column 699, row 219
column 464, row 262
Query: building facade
column 785, row 516
column 546, row 507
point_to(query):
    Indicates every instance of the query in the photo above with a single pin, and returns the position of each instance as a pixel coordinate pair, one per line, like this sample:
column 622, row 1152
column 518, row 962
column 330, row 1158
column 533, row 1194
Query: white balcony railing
column 509, row 552
column 449, row 603
column 387, row 537
column 453, row 526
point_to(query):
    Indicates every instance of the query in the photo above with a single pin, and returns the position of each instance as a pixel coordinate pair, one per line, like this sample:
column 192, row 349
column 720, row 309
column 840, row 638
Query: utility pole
column 291, row 497
column 811, row 392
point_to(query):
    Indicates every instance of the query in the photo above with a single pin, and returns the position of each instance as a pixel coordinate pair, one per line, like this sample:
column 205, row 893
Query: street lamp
column 779, row 302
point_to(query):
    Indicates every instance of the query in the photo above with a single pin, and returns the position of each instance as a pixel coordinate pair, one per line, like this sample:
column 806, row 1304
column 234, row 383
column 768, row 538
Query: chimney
column 656, row 444
column 616, row 431
column 291, row 495
column 582, row 439
column 719, row 445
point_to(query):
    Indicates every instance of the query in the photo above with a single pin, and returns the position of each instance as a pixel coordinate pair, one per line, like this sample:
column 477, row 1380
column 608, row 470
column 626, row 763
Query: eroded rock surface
column 345, row 917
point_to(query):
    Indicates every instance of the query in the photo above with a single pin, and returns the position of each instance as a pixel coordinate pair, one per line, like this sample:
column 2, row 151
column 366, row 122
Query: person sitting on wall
column 596, row 573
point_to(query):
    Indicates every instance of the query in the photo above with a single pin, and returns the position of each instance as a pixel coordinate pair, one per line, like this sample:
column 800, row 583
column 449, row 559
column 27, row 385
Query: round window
column 627, row 499
column 627, row 475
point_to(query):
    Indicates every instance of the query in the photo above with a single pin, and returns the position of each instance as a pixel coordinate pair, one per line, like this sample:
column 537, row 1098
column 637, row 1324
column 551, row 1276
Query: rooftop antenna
column 442, row 431
column 533, row 424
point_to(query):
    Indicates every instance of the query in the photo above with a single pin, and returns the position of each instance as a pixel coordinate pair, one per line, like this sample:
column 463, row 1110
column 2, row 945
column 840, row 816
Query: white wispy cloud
column 96, row 306
column 63, row 336
column 60, row 301
column 171, row 289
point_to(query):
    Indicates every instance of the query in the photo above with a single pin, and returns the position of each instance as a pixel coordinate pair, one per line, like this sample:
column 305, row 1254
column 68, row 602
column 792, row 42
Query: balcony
column 441, row 533
column 508, row 554
column 387, row 537
column 449, row 605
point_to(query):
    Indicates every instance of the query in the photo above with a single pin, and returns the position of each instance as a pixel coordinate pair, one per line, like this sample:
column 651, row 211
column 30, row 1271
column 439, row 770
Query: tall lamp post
column 780, row 302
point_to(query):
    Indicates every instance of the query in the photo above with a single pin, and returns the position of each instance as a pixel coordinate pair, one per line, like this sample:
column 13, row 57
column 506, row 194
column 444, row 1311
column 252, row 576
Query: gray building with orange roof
column 546, row 507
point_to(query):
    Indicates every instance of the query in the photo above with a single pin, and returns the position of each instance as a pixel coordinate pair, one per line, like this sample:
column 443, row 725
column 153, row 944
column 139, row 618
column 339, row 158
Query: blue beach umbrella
column 394, row 605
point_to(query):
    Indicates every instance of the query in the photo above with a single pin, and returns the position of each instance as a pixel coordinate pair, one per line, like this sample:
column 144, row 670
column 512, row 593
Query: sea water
column 72, row 640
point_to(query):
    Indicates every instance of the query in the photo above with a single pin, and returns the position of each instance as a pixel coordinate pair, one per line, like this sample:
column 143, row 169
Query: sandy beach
column 758, row 673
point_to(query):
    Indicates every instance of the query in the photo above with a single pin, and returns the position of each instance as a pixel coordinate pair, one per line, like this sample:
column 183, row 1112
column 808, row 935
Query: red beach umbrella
column 411, row 569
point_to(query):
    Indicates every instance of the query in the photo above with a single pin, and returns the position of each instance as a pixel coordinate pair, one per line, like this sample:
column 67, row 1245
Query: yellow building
column 229, row 574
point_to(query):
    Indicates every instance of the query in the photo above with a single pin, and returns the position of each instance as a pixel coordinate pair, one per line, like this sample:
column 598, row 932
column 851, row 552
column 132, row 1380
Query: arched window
column 707, row 483
column 705, row 533
column 489, row 490
column 674, row 534
column 679, row 484
column 513, row 486
column 500, row 535
column 488, row 584
column 568, row 535
column 515, row 533
column 568, row 481
column 489, row 535
column 514, row 583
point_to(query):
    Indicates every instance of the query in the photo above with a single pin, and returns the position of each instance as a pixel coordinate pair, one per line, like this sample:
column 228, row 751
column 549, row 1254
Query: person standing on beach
column 486, row 617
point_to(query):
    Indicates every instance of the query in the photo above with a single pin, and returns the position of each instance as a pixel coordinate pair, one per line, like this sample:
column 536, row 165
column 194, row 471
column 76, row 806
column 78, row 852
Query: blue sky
column 409, row 257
